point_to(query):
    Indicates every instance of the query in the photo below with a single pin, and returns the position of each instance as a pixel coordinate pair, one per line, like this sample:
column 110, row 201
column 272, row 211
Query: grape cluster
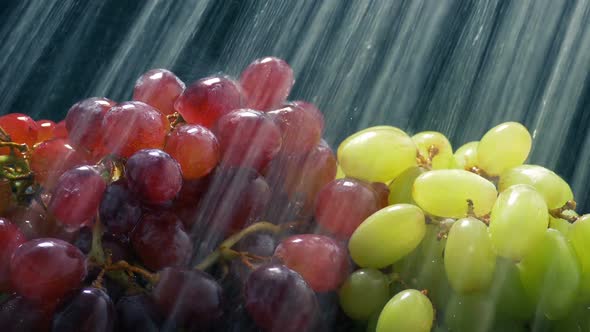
column 218, row 207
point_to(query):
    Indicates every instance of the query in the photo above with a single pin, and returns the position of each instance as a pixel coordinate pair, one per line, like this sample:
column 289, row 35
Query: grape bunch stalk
column 218, row 206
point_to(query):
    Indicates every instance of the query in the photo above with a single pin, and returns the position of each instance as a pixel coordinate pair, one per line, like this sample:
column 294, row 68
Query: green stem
column 96, row 253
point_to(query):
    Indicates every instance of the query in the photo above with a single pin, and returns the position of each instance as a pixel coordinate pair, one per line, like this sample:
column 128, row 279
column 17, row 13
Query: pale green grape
column 444, row 193
column 387, row 236
column 377, row 154
column 579, row 237
column 553, row 188
column 400, row 189
column 469, row 313
column 518, row 221
column 427, row 139
column 508, row 294
column 559, row 224
column 466, row 155
column 364, row 293
column 551, row 275
column 409, row 310
column 469, row 257
column 502, row 147
column 339, row 173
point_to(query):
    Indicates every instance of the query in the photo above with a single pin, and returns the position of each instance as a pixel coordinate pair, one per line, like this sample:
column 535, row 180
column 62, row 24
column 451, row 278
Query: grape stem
column 175, row 119
column 123, row 265
column 4, row 135
column 96, row 253
column 559, row 212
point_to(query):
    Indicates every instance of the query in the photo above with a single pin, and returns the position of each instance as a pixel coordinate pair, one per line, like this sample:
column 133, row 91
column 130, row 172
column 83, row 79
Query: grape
column 342, row 205
column 364, row 293
column 267, row 83
column 195, row 148
column 84, row 121
column 400, row 189
column 10, row 238
column 505, row 146
column 553, row 188
column 469, row 313
column 339, row 173
column 46, row 269
column 278, row 299
column 382, row 191
column 408, row 310
column 247, row 138
column 6, row 196
column 577, row 320
column 321, row 261
column 518, row 221
column 387, row 236
column 559, row 224
column 509, row 296
column 550, row 274
column 60, row 130
column 188, row 297
column 137, row 313
column 259, row 244
column 466, row 155
column 578, row 236
column 377, row 154
column 469, row 257
column 427, row 140
column 32, row 220
column 51, row 158
column 209, row 98
column 160, row 241
column 46, row 129
column 300, row 130
column 119, row 209
column 444, row 193
column 311, row 108
column 132, row 126
column 17, row 314
column 21, row 129
column 77, row 196
column 91, row 310
column 158, row 88
column 153, row 175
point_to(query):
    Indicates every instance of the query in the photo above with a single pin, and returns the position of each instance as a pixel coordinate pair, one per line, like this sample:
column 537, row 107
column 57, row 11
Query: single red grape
column 6, row 196
column 247, row 138
column 46, row 129
column 158, row 88
column 32, row 220
column 60, row 130
column 90, row 310
column 50, row 159
column 195, row 148
column 47, row 269
column 132, row 126
column 267, row 83
column 382, row 191
column 84, row 121
column 21, row 129
column 310, row 108
column 119, row 209
column 153, row 175
column 10, row 238
column 206, row 100
column 300, row 129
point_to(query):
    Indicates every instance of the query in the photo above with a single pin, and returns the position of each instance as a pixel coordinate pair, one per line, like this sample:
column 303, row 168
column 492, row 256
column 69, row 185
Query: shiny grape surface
column 267, row 83
column 154, row 176
column 84, row 121
column 50, row 159
column 159, row 88
column 364, row 293
column 195, row 148
column 90, row 310
column 515, row 142
column 408, row 310
column 466, row 155
column 436, row 144
column 578, row 236
column 10, row 238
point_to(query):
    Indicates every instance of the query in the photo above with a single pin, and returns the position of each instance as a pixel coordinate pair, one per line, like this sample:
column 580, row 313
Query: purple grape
column 91, row 310
column 119, row 210
column 19, row 315
column 154, row 176
column 137, row 313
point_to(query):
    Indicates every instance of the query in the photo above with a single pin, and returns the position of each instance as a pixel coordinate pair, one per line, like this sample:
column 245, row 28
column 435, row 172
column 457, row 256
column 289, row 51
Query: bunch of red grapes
column 211, row 207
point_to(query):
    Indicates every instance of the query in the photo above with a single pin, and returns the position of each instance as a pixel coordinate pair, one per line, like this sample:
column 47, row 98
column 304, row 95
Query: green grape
column 559, row 224
column 364, row 292
column 508, row 294
column 469, row 257
column 377, row 154
column 387, row 236
column 508, row 326
column 444, row 193
column 372, row 324
column 469, row 313
column 551, row 275
column 400, row 189
column 409, row 310
column 502, row 147
column 466, row 155
column 518, row 221
column 553, row 188
column 339, row 173
column 428, row 139
column 578, row 320
column 579, row 237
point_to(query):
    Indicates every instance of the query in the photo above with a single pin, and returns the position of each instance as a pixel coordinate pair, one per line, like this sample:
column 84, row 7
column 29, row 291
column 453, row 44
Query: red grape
column 119, row 209
column 310, row 108
column 321, row 261
column 267, row 83
column 195, row 148
column 60, row 130
column 21, row 129
column 158, row 88
column 18, row 314
column 32, row 220
column 46, row 129
column 132, row 126
column 382, row 191
column 47, row 269
column 342, row 205
column 247, row 138
column 208, row 99
column 300, row 129
column 84, row 120
column 188, row 297
column 90, row 310
column 50, row 159
column 6, row 196
column 153, row 175
column 77, row 196
column 160, row 241
column 10, row 238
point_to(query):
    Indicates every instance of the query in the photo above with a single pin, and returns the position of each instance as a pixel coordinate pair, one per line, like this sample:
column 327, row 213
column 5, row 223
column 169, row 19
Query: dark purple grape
column 260, row 244
column 84, row 240
column 119, row 210
column 278, row 299
column 188, row 297
column 19, row 315
column 137, row 313
column 91, row 310
column 154, row 176
column 118, row 249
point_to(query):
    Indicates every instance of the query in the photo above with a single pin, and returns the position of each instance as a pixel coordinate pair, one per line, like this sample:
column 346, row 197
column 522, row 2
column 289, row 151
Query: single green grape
column 466, row 155
column 427, row 140
column 502, row 147
column 550, row 275
column 469, row 257
column 518, row 221
column 400, row 189
column 578, row 320
column 387, row 236
column 377, row 154
column 469, row 313
column 579, row 237
column 553, row 188
column 409, row 310
column 559, row 224
column 364, row 293
column 444, row 193
column 511, row 300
